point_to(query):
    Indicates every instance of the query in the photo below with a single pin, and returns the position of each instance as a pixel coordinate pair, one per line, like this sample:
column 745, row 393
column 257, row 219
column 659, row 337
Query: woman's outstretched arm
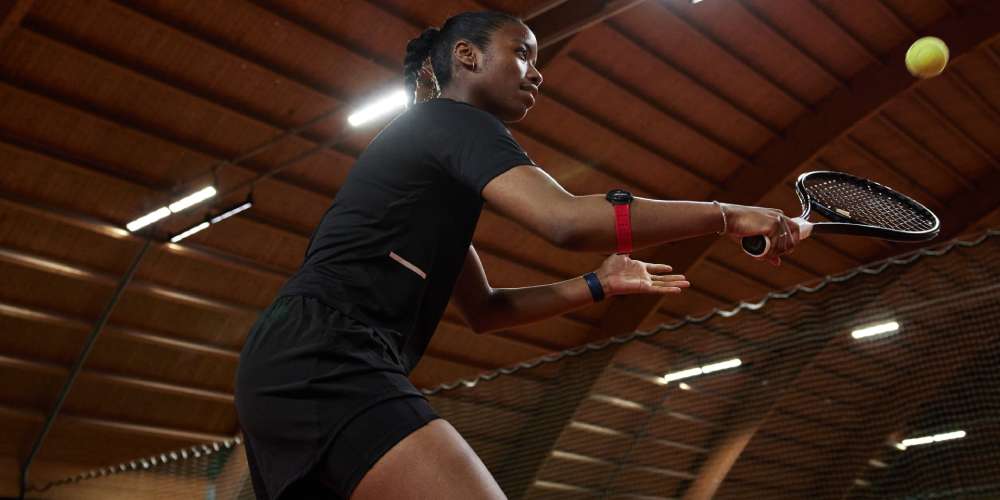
column 534, row 199
column 488, row 309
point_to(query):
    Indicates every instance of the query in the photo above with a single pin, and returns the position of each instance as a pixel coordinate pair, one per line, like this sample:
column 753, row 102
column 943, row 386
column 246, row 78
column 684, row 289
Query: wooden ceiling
column 109, row 109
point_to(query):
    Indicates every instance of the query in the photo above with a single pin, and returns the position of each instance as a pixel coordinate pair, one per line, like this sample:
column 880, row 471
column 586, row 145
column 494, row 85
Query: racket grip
column 759, row 244
column 756, row 245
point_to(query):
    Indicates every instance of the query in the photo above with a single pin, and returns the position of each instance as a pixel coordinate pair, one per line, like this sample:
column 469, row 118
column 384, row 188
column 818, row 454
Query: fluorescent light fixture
column 386, row 105
column 695, row 1
column 714, row 367
column 192, row 199
column 231, row 212
column 691, row 372
column 189, row 232
column 148, row 219
column 684, row 386
column 694, row 372
column 936, row 438
column 948, row 436
column 890, row 326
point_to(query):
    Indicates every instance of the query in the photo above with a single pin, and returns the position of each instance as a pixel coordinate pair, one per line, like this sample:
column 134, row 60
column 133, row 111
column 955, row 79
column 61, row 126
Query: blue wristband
column 596, row 290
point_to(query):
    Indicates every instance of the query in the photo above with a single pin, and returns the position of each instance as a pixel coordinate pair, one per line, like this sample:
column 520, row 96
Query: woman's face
column 507, row 85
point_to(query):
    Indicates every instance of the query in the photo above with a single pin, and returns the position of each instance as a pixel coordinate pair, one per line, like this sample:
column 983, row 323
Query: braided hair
column 428, row 62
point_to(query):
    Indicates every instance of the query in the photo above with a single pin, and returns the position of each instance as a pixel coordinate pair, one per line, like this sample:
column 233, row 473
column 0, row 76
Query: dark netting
column 878, row 383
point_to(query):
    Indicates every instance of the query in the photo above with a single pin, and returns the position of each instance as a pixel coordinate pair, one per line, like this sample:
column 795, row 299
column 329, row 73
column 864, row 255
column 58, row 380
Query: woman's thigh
column 433, row 462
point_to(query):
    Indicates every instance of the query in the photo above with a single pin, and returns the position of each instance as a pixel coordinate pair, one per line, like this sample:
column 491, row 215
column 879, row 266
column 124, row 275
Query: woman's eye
column 523, row 53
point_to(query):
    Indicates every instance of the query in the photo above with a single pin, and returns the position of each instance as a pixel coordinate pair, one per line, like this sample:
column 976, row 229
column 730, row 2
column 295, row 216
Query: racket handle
column 758, row 245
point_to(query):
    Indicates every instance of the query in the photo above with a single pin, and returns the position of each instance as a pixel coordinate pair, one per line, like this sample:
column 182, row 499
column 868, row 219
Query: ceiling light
column 732, row 363
column 192, row 199
column 936, row 438
column 189, row 232
column 873, row 330
column 147, row 219
column 691, row 372
column 381, row 107
column 694, row 372
column 231, row 212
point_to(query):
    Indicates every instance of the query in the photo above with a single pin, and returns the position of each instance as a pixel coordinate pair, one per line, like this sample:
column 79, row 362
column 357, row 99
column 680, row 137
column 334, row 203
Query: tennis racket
column 854, row 206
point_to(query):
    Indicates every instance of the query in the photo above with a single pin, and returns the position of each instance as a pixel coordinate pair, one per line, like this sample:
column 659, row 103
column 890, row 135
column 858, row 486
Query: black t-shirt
column 389, row 249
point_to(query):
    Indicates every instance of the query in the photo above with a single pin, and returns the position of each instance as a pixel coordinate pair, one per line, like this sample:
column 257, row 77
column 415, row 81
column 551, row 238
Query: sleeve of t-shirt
column 477, row 147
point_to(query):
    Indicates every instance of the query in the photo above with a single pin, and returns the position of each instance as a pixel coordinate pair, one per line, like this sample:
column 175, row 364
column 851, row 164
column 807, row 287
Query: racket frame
column 840, row 224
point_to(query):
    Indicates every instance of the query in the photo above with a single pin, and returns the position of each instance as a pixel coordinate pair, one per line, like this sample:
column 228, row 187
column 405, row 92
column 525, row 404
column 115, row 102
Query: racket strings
column 865, row 204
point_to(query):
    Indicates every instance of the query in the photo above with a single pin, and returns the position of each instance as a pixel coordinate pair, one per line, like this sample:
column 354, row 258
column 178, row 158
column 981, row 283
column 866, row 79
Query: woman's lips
column 531, row 95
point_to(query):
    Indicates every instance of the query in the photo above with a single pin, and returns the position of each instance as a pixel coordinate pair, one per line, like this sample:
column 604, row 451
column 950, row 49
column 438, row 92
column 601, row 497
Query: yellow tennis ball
column 927, row 57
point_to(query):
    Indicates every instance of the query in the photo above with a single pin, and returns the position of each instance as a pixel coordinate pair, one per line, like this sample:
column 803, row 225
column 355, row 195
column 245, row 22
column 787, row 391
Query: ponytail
column 415, row 63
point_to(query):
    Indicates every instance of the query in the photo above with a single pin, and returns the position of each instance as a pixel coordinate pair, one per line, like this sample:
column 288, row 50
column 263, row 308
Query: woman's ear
column 467, row 55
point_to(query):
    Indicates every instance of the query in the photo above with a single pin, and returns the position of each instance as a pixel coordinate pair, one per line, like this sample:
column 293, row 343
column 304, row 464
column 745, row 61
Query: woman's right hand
column 743, row 220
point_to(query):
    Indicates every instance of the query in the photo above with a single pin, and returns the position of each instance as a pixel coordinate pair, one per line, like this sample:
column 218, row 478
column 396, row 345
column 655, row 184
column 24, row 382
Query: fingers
column 657, row 269
column 670, row 286
column 784, row 237
column 667, row 278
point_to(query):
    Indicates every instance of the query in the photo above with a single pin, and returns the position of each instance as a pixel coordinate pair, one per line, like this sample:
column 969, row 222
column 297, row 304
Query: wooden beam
column 12, row 12
column 149, row 385
column 62, row 320
column 569, row 18
column 100, row 424
column 76, row 271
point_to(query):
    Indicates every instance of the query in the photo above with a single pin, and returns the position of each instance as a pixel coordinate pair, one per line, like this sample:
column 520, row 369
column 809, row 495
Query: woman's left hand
column 621, row 275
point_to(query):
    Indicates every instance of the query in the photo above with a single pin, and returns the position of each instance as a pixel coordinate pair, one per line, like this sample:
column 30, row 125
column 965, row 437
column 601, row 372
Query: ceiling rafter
column 694, row 79
column 151, row 130
column 849, row 35
column 112, row 230
column 814, row 61
column 923, row 150
column 941, row 117
column 567, row 20
column 103, row 424
column 12, row 13
column 894, row 16
column 669, row 158
column 872, row 157
column 144, row 384
column 205, row 96
column 734, row 54
column 119, row 332
column 970, row 92
column 324, row 90
column 76, row 271
column 599, row 71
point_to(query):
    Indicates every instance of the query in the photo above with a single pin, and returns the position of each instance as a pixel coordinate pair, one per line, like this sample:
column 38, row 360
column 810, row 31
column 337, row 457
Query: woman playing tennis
column 322, row 389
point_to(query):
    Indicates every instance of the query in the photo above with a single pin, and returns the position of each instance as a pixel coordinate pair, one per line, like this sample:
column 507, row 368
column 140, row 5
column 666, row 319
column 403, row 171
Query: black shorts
column 320, row 397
